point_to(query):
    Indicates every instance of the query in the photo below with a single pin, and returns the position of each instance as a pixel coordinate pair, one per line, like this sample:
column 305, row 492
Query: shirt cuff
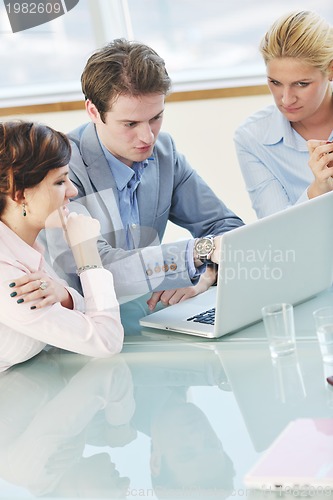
column 98, row 290
column 194, row 272
column 78, row 300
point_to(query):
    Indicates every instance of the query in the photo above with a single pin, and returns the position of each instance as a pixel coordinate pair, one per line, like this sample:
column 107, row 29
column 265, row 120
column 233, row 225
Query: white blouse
column 92, row 328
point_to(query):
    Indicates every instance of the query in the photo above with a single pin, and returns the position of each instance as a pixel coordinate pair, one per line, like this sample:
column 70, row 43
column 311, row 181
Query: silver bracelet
column 85, row 268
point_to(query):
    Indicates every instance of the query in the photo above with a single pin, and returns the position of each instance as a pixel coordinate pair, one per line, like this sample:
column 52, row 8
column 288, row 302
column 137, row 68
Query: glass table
column 170, row 417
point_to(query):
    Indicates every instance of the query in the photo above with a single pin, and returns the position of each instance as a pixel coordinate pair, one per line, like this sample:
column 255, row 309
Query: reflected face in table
column 185, row 444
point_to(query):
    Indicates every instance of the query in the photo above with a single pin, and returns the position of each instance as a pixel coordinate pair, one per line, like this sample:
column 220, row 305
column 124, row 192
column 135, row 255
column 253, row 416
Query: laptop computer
column 295, row 463
column 285, row 257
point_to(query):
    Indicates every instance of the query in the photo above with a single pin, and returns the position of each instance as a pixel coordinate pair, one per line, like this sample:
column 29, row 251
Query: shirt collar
column 281, row 130
column 122, row 173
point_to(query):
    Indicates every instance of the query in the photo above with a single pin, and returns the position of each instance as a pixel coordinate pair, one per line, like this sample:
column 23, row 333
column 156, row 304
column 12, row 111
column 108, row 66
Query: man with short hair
column 133, row 180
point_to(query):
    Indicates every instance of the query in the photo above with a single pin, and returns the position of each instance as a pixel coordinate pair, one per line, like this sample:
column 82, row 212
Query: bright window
column 209, row 40
column 204, row 43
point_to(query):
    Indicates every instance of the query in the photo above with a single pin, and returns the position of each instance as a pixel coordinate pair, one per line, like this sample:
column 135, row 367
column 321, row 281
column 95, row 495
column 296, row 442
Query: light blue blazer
column 169, row 190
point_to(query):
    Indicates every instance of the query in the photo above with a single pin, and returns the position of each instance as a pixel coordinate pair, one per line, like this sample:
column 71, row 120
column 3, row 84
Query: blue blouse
column 273, row 159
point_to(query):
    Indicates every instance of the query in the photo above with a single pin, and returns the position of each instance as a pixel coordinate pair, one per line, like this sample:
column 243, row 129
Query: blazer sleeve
column 195, row 206
column 176, row 193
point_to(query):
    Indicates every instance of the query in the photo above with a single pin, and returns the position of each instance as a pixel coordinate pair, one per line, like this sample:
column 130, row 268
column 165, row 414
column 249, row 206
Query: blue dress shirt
column 273, row 159
column 127, row 181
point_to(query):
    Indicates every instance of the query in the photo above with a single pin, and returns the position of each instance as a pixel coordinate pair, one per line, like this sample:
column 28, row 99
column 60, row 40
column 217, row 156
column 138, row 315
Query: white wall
column 203, row 131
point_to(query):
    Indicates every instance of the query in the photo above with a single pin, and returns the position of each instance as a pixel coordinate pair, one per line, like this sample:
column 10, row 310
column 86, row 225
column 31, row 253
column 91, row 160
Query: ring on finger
column 43, row 284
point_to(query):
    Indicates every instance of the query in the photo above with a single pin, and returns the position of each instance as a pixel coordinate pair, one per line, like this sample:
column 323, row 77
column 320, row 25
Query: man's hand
column 170, row 297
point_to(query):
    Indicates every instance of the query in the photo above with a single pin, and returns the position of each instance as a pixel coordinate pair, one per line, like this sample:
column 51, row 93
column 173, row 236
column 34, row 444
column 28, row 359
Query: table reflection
column 187, row 457
column 191, row 418
column 47, row 405
column 58, row 403
column 288, row 379
column 272, row 392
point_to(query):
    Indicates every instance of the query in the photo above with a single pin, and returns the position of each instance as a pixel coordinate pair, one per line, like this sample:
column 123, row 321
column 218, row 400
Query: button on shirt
column 273, row 159
column 127, row 180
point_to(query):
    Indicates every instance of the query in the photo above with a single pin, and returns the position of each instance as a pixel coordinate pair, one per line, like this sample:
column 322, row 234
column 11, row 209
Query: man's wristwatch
column 203, row 249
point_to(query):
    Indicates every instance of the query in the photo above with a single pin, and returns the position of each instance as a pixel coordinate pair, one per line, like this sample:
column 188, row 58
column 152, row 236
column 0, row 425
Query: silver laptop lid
column 286, row 257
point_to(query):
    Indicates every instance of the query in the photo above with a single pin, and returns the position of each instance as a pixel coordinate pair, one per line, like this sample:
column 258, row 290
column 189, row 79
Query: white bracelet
column 85, row 268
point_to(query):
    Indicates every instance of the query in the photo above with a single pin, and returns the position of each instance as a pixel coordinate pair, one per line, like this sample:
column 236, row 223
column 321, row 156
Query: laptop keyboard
column 207, row 317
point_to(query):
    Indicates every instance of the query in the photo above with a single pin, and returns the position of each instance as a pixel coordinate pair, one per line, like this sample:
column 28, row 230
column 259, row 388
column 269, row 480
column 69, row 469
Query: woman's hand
column 321, row 164
column 40, row 289
column 82, row 232
column 81, row 228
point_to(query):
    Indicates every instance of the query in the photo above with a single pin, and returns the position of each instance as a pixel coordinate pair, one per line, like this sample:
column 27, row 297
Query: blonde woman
column 273, row 144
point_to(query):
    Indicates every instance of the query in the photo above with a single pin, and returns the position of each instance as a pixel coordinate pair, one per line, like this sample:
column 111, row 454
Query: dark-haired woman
column 37, row 308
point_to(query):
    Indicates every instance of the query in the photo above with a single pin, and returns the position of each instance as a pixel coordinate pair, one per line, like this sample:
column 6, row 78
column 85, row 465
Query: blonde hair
column 302, row 35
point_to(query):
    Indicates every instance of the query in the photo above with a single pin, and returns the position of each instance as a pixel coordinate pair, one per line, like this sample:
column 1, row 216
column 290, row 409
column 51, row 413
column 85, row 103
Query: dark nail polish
column 13, row 294
column 19, row 301
column 33, row 307
column 330, row 380
column 12, row 284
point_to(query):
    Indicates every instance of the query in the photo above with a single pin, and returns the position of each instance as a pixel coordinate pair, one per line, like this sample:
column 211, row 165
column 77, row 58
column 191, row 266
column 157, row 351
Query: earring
column 24, row 212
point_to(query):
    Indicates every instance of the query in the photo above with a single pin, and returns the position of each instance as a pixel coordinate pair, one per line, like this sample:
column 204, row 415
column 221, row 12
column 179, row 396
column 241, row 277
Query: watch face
column 204, row 247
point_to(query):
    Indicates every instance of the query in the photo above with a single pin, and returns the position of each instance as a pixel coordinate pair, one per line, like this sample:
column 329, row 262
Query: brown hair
column 28, row 151
column 123, row 68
